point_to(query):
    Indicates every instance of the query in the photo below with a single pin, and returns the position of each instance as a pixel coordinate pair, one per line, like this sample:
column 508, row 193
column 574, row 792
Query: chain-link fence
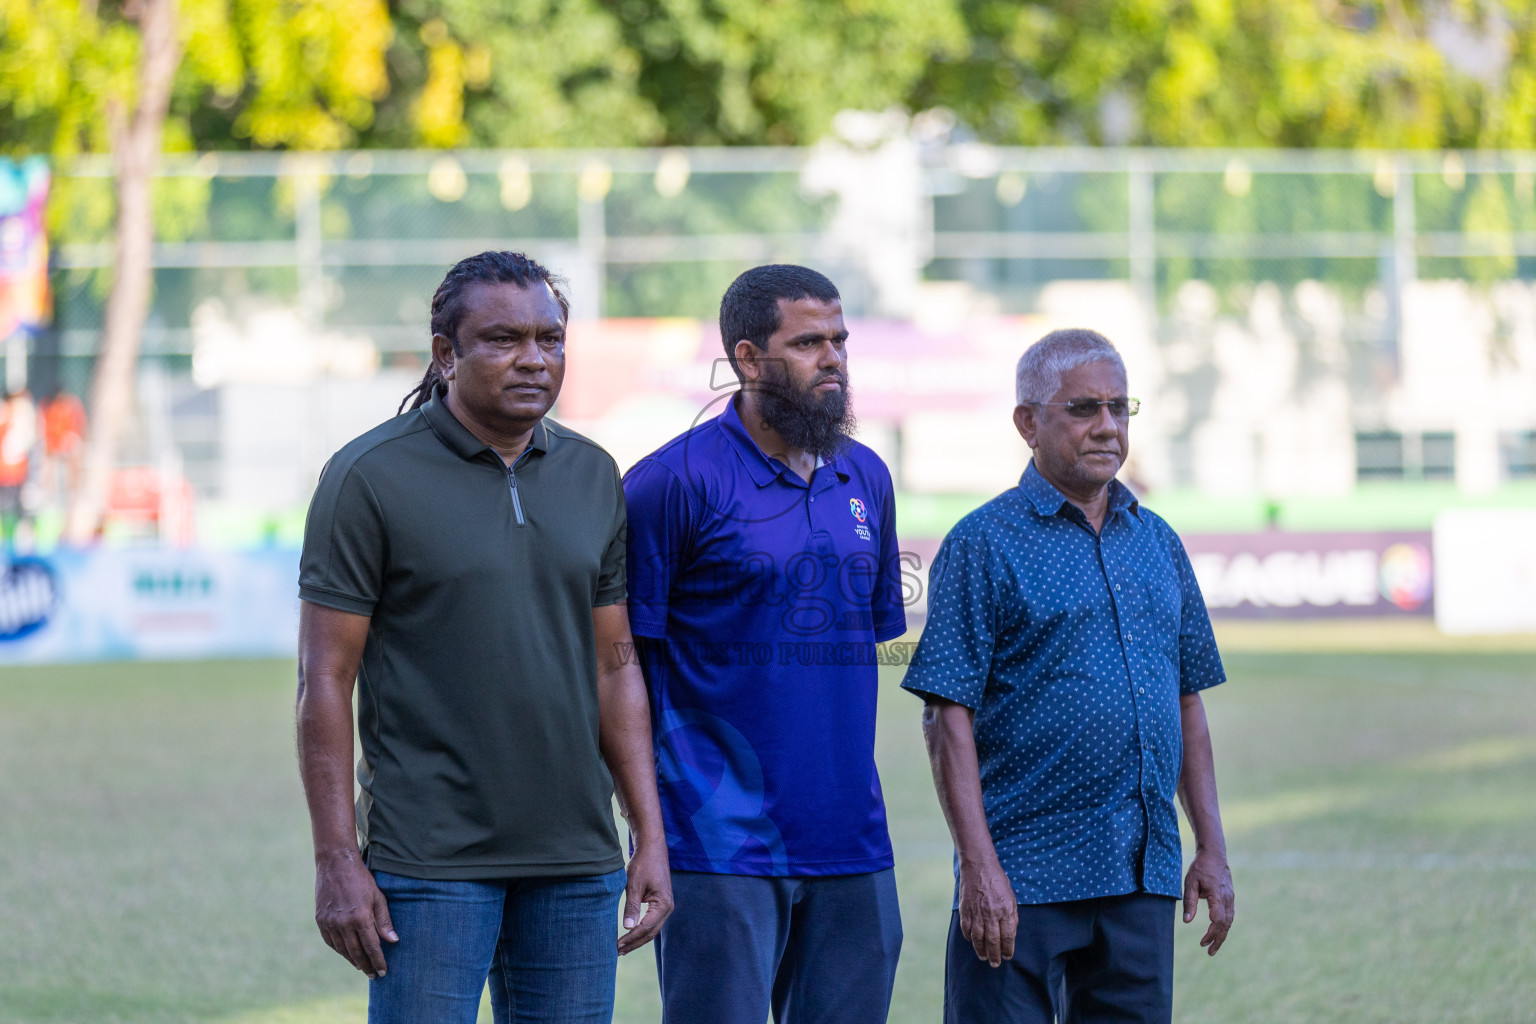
column 350, row 246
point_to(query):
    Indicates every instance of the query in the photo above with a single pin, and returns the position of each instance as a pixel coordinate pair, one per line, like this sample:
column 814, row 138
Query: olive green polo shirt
column 477, row 692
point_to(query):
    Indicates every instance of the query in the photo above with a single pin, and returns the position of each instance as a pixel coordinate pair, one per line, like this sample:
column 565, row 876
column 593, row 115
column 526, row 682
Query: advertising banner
column 1487, row 571
column 24, row 298
column 148, row 603
column 183, row 603
column 616, row 364
column 1277, row 575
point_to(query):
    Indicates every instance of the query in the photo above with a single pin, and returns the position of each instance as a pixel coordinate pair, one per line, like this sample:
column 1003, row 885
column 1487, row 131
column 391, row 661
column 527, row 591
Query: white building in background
column 1232, row 407
column 1251, row 406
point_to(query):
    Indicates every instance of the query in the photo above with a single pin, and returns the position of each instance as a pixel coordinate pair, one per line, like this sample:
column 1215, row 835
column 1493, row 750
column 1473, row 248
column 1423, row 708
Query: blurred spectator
column 63, row 425
column 18, row 434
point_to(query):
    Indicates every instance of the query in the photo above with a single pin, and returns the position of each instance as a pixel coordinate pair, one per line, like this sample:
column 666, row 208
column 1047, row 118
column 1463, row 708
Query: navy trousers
column 1100, row 961
column 817, row 950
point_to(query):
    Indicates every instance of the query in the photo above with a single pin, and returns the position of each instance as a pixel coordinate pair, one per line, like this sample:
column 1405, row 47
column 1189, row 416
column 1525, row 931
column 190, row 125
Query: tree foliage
column 327, row 73
column 305, row 74
column 59, row 64
column 1300, row 73
column 749, row 71
column 627, row 72
column 1296, row 73
column 519, row 73
column 137, row 77
column 300, row 73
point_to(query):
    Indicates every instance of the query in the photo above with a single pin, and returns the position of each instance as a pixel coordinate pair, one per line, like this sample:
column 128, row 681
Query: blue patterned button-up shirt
column 1073, row 649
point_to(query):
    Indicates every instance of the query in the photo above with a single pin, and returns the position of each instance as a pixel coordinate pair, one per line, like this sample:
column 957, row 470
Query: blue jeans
column 548, row 945
column 817, row 950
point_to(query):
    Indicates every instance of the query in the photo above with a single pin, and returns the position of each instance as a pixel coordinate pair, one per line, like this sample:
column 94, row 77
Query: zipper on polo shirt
column 517, row 505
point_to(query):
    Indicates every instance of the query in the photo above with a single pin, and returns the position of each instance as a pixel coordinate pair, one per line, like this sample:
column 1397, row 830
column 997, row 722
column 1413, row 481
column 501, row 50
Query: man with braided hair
column 463, row 566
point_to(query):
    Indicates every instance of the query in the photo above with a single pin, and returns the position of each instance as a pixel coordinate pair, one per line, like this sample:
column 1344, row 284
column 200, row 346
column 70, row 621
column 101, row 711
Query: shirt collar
column 760, row 467
column 1048, row 501
column 457, row 436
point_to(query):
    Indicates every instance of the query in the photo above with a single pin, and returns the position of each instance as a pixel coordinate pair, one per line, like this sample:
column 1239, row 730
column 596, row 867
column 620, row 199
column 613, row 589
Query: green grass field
column 1380, row 809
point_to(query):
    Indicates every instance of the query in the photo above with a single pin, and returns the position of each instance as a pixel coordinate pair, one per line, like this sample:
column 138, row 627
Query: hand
column 352, row 913
column 650, row 883
column 1210, row 879
column 989, row 913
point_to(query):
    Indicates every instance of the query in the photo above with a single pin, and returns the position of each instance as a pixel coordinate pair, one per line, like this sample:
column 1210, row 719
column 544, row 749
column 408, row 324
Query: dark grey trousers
column 1100, row 961
column 817, row 950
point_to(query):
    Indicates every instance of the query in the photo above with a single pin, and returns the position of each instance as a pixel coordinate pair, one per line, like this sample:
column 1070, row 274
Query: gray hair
column 1043, row 363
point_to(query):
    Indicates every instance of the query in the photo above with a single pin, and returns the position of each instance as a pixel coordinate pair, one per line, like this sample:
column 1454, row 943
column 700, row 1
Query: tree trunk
column 136, row 142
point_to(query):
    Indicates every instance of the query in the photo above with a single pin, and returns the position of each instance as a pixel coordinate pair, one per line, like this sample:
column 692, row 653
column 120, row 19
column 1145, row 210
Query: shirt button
column 813, row 497
column 1141, row 689
column 1117, row 586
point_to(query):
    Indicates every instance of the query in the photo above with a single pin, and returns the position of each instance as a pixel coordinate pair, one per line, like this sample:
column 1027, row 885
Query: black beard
column 819, row 424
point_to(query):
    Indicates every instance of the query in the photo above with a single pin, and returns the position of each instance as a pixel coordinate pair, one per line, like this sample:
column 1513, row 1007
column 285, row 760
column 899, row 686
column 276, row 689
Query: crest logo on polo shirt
column 860, row 513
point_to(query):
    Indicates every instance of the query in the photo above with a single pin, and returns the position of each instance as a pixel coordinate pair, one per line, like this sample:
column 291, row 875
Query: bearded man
column 763, row 571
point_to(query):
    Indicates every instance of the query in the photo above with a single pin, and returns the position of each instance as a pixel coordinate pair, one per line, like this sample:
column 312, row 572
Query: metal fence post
column 592, row 187
column 308, row 264
column 306, row 245
column 1141, row 235
column 1405, row 249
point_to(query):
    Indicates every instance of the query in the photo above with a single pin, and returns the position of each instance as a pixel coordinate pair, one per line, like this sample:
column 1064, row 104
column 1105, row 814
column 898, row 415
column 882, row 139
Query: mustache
column 783, row 385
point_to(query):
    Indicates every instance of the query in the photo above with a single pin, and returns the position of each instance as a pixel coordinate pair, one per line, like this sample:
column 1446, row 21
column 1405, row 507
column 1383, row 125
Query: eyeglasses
column 1087, row 408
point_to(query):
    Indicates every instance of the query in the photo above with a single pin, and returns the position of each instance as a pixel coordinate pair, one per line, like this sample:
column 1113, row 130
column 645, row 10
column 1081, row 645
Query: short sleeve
column 611, row 584
column 954, row 657
column 886, row 606
column 345, row 543
column 1199, row 661
column 660, row 525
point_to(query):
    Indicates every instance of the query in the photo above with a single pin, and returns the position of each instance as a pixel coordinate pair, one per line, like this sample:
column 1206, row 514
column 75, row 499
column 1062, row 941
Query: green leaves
column 59, row 69
column 299, row 73
column 321, row 74
column 649, row 72
column 1407, row 74
column 515, row 74
column 307, row 72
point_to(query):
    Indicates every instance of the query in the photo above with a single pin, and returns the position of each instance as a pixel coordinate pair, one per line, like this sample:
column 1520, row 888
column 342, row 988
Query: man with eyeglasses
column 1061, row 667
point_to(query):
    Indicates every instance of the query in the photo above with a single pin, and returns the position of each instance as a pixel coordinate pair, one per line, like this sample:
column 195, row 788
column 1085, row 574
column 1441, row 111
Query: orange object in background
column 63, row 425
column 147, row 501
column 61, row 418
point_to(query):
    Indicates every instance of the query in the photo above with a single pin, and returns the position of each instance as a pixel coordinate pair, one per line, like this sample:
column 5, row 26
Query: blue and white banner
column 148, row 603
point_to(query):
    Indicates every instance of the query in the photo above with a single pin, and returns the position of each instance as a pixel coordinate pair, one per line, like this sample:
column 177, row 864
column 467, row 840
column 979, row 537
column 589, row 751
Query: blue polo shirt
column 757, row 601
column 1073, row 649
